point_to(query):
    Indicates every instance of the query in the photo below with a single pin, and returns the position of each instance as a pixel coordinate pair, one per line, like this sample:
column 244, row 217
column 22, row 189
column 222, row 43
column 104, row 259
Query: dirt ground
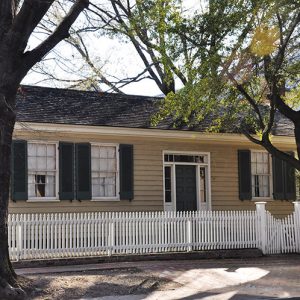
column 276, row 277
column 76, row 285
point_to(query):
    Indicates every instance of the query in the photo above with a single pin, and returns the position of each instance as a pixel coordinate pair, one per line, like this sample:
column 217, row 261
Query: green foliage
column 241, row 53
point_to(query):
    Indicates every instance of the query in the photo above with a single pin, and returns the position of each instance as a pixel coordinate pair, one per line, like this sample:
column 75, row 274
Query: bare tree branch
column 60, row 33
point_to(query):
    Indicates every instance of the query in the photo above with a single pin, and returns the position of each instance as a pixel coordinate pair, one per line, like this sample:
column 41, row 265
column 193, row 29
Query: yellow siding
column 148, row 176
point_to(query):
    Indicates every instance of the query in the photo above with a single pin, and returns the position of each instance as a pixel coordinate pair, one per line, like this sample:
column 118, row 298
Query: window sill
column 257, row 199
column 43, row 200
column 105, row 199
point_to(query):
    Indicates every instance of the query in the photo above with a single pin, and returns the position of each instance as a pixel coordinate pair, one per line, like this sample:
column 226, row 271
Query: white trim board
column 222, row 138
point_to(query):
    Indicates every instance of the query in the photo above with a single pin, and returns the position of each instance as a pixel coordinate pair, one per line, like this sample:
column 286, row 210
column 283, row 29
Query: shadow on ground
column 76, row 285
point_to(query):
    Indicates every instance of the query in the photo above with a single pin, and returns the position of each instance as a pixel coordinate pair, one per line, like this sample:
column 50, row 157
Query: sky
column 116, row 58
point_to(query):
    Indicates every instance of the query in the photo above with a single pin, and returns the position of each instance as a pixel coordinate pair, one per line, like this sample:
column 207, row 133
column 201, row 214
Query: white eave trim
column 22, row 128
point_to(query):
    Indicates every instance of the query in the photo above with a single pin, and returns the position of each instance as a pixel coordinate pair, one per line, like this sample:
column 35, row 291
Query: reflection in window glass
column 41, row 170
column 203, row 184
column 168, row 184
column 184, row 158
column 104, row 171
column 260, row 170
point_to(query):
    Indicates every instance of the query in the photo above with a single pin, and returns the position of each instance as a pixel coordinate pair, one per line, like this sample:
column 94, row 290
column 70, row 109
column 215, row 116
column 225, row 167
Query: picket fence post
column 297, row 224
column 189, row 232
column 19, row 237
column 111, row 238
column 262, row 225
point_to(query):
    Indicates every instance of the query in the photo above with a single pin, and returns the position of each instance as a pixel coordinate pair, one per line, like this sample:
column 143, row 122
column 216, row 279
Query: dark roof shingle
column 65, row 106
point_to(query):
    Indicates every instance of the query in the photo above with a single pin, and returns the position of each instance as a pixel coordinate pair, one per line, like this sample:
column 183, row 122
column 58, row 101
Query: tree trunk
column 9, row 288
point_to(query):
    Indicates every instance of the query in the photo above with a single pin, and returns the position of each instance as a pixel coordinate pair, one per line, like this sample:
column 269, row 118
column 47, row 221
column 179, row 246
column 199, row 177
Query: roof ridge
column 36, row 87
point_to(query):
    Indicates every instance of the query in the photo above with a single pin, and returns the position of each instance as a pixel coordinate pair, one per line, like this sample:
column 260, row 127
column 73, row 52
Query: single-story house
column 79, row 151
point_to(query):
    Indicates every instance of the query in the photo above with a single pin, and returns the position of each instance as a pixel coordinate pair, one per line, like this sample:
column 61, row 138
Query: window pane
column 168, row 184
column 203, row 185
column 50, row 150
column 103, row 165
column 266, row 168
column 41, row 163
column 51, row 163
column 103, row 152
column 50, row 186
column 111, row 163
column 41, row 150
column 168, row 197
column 31, row 163
column 31, row 149
column 111, row 152
column 184, row 158
column 260, row 168
column 40, row 185
column 95, row 164
column 95, row 152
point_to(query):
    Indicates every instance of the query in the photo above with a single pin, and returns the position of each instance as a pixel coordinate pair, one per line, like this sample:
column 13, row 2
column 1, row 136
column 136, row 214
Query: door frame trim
column 172, row 205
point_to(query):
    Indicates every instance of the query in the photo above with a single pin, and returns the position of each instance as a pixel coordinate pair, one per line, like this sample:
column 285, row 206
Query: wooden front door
column 186, row 188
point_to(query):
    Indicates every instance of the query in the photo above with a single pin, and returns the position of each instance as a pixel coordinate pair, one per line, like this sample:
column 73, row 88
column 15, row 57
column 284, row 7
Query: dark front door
column 186, row 191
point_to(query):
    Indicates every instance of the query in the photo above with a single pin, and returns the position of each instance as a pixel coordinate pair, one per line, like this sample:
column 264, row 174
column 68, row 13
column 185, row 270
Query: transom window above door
column 185, row 158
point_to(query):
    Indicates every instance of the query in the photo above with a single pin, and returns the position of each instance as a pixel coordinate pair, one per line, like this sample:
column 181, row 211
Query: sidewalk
column 238, row 279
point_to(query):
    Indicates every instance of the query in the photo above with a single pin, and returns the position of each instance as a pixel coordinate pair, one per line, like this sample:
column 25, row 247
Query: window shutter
column 278, row 178
column 284, row 181
column 244, row 171
column 19, row 178
column 83, row 171
column 66, row 171
column 290, row 180
column 126, row 171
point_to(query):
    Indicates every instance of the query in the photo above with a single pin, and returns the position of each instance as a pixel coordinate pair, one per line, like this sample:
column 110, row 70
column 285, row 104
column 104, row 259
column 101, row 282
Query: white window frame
column 117, row 197
column 172, row 205
column 270, row 198
column 47, row 199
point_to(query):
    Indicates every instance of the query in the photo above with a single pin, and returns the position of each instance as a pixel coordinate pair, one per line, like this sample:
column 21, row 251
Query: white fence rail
column 42, row 236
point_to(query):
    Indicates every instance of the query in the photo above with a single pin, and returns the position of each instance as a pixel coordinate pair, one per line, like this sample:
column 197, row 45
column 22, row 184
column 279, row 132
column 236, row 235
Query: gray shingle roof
column 64, row 106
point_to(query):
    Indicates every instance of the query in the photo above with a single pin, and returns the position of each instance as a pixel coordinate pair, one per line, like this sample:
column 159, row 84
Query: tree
column 170, row 42
column 18, row 20
column 235, row 59
column 250, row 77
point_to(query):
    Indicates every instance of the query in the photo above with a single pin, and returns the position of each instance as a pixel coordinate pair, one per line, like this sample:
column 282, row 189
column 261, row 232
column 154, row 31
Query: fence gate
column 282, row 235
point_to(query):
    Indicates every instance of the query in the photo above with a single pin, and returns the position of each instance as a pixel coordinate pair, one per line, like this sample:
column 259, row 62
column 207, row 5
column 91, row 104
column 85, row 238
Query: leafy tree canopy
column 246, row 71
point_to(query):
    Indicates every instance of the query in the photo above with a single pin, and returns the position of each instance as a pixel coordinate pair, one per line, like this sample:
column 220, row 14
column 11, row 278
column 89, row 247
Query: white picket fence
column 44, row 236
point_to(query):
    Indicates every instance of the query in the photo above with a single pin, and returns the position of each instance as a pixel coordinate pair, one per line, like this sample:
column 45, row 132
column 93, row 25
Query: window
column 168, row 186
column 184, row 158
column 42, row 170
column 260, row 174
column 104, row 171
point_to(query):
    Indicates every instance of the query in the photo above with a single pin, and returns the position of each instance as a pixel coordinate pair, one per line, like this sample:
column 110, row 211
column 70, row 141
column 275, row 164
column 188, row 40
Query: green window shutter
column 284, row 181
column 83, row 171
column 126, row 171
column 244, row 171
column 66, row 171
column 19, row 178
column 290, row 180
column 278, row 178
